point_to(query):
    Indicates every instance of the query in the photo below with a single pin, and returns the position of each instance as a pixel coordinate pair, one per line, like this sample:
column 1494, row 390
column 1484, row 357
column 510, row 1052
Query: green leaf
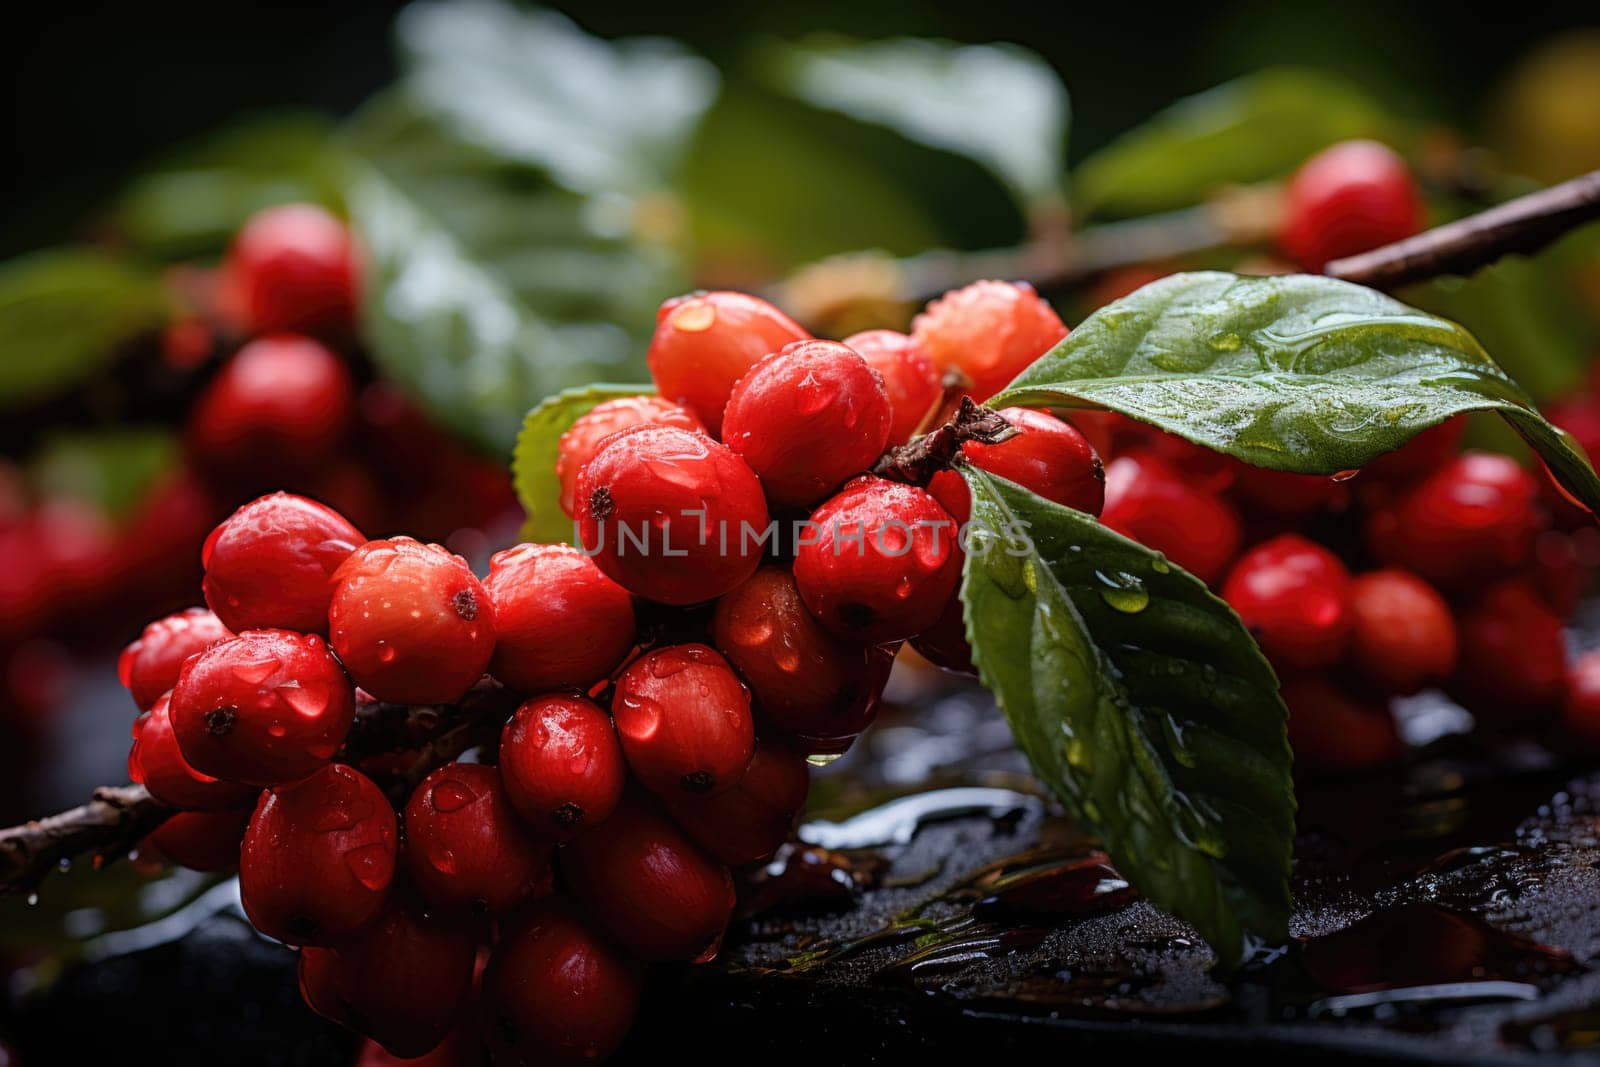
column 114, row 468
column 1257, row 127
column 533, row 461
column 62, row 315
column 999, row 105
column 1143, row 703
column 193, row 202
column 1297, row 373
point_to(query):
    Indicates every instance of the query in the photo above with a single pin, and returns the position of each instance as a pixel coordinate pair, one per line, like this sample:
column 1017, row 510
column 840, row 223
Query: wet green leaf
column 1257, row 127
column 1297, row 373
column 999, row 105
column 1143, row 703
column 62, row 315
column 533, row 461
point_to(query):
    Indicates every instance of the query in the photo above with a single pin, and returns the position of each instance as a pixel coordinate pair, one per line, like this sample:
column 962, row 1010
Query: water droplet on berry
column 255, row 671
column 278, row 730
column 386, row 653
column 450, row 795
column 1344, row 476
column 372, row 865
column 696, row 316
column 644, row 718
column 443, row 861
column 308, row 702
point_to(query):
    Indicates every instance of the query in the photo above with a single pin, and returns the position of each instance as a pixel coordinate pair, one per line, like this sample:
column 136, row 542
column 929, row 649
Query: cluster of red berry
column 676, row 675
column 1429, row 567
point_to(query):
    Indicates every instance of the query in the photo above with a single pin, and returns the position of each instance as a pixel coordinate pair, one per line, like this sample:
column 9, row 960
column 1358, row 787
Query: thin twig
column 917, row 462
column 1523, row 225
column 109, row 825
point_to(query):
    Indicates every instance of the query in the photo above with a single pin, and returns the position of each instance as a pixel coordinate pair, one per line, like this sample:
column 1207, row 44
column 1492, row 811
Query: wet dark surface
column 938, row 907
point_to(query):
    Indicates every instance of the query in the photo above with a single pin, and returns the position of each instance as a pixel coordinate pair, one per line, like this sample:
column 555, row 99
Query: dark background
column 94, row 91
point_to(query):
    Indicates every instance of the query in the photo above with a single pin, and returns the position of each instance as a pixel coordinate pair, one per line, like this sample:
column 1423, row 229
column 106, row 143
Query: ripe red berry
column 1402, row 635
column 557, row 993
column 807, row 418
column 1349, row 198
column 465, row 846
column 411, row 622
column 879, row 561
column 649, row 886
column 281, row 405
column 990, row 331
column 705, row 342
column 1151, row 503
column 318, row 858
column 157, row 763
column 583, row 437
column 1581, row 711
column 1470, row 520
column 271, row 563
column 295, row 267
column 909, row 377
column 562, row 765
column 683, row 718
column 202, row 840
column 806, row 683
column 558, row 620
column 1287, row 495
column 944, row 644
column 1047, row 456
column 1333, row 731
column 1294, row 595
column 149, row 666
column 747, row 823
column 403, row 982
column 671, row 514
column 265, row 707
column 1512, row 670
column 1424, row 453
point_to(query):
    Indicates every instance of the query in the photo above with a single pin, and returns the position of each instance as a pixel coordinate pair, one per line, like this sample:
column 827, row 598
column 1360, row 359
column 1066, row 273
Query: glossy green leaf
column 533, row 461
column 62, row 315
column 1143, row 703
column 1257, row 127
column 194, row 201
column 1297, row 373
column 1000, row 105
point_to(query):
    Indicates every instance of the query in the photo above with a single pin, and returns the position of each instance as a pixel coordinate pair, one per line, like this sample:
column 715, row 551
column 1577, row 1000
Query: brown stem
column 117, row 818
column 917, row 462
column 1523, row 225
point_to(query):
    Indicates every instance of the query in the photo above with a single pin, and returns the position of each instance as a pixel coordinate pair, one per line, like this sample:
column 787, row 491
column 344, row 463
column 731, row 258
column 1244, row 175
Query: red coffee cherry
column 1581, row 711
column 674, row 516
column 683, row 718
column 1468, row 521
column 908, row 376
column 1286, row 495
column 1151, row 503
column 806, row 683
column 944, row 644
column 1047, row 456
column 465, row 846
column 411, row 622
column 295, row 267
column 1348, row 198
column 991, row 331
column 1512, row 670
column 1423, row 454
column 879, row 561
column 1402, row 634
column 557, row 993
column 265, row 707
column 1294, row 595
column 807, row 418
column 562, row 765
column 318, row 858
column 747, row 823
column 558, row 620
column 705, row 342
column 157, row 763
column 583, row 437
column 270, row 564
column 649, row 886
column 149, row 666
column 281, row 405
column 403, row 982
column 201, row 840
column 1332, row 731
